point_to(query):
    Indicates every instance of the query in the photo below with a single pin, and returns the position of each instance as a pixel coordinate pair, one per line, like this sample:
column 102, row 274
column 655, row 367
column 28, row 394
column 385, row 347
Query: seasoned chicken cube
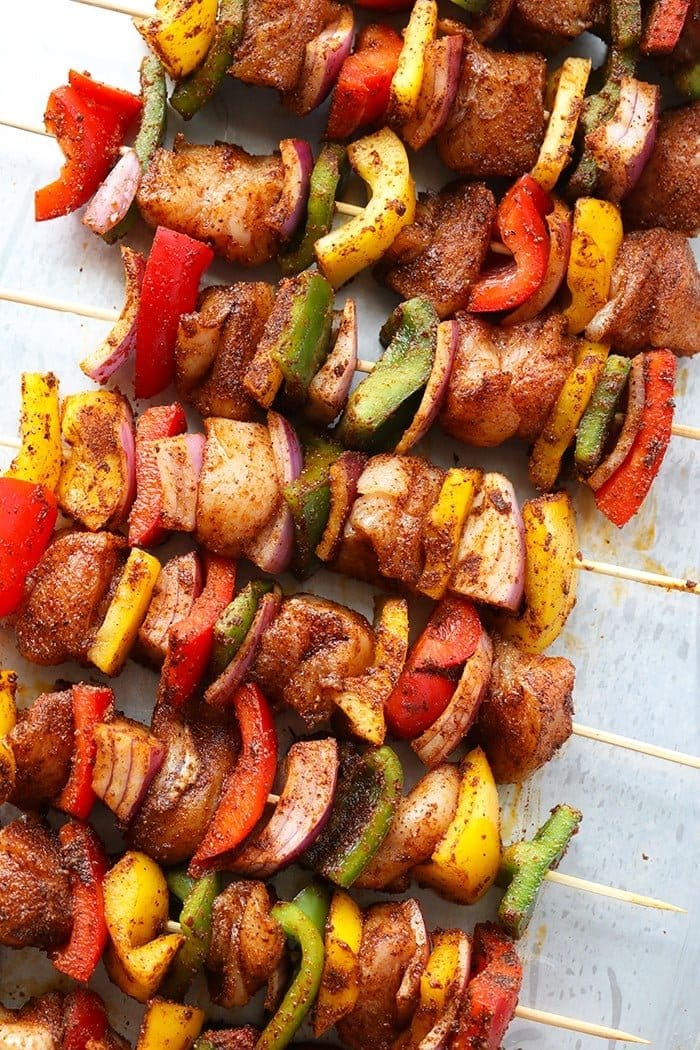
column 548, row 27
column 35, row 903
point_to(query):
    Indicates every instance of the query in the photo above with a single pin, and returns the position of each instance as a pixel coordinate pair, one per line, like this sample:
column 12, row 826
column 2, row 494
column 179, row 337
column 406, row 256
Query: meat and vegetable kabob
column 463, row 1037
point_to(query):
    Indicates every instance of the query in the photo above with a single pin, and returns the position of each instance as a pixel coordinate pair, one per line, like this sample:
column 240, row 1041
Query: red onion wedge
column 622, row 147
column 119, row 345
column 272, row 549
column 446, row 732
column 344, row 476
column 560, row 225
column 127, row 488
column 179, row 463
column 323, row 57
column 633, row 418
column 436, row 389
column 300, row 815
column 443, row 62
column 329, row 388
column 177, row 588
column 409, row 988
column 126, row 760
column 490, row 23
column 490, row 565
column 222, row 689
column 115, row 196
column 297, row 162
column 440, row 1029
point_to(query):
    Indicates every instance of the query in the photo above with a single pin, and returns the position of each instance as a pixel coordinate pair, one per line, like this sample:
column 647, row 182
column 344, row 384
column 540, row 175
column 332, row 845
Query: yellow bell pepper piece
column 126, row 612
column 8, row 719
column 39, row 458
column 380, row 159
column 362, row 698
column 408, row 78
column 568, row 90
column 443, row 529
column 595, row 240
column 466, row 859
column 180, row 33
column 339, row 983
column 560, row 428
column 440, row 984
column 169, row 1026
column 551, row 545
column 136, row 910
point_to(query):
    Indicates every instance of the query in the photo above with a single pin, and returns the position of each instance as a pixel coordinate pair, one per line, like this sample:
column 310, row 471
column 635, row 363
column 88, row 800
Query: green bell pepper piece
column 234, row 623
column 301, row 344
column 203, row 1044
column 309, row 499
column 687, row 80
column 328, row 172
column 625, row 23
column 198, row 896
column 473, row 6
column 380, row 408
column 150, row 134
column 302, row 992
column 195, row 90
column 369, row 788
column 525, row 864
column 595, row 425
column 315, row 902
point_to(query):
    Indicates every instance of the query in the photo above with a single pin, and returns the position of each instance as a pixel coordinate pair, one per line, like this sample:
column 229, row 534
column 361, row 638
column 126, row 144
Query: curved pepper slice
column 180, row 33
column 157, row 422
column 341, row 967
column 569, row 89
column 136, row 910
column 86, row 862
column 27, row 518
column 90, row 703
column 197, row 896
column 408, row 78
column 309, row 499
column 524, row 232
column 595, row 240
column 8, row 718
column 595, row 426
column 560, row 428
column 380, row 159
column 551, row 546
column 443, row 528
column 443, row 985
column 361, row 93
column 663, row 26
column 465, row 862
column 326, row 176
column 525, row 864
column 39, row 458
column 492, row 992
column 244, row 795
column 127, row 611
column 302, row 992
column 621, row 496
column 315, row 901
column 84, row 1020
column 174, row 1026
column 200, row 86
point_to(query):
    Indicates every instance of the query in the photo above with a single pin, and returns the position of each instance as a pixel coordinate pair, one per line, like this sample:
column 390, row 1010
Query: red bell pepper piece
column 492, row 992
column 664, row 26
column 27, row 518
column 523, row 230
column 432, row 668
column 361, row 94
column 86, row 862
column 621, row 496
column 90, row 121
column 155, row 423
column 170, row 286
column 191, row 640
column 84, row 1021
column 90, row 703
column 244, row 795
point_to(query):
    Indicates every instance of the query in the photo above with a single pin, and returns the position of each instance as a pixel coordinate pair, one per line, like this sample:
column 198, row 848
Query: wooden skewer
column 132, row 10
column 571, row 1024
column 576, row 883
column 615, row 740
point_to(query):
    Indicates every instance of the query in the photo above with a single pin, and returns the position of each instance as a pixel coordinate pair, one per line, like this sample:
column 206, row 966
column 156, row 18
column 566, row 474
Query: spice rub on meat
column 548, row 27
column 526, row 714
column 36, row 902
column 67, row 595
column 271, row 53
column 668, row 191
column 216, row 344
column 505, row 381
column 441, row 253
column 42, row 768
column 496, row 124
column 654, row 296
column 219, row 194
column 312, row 642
